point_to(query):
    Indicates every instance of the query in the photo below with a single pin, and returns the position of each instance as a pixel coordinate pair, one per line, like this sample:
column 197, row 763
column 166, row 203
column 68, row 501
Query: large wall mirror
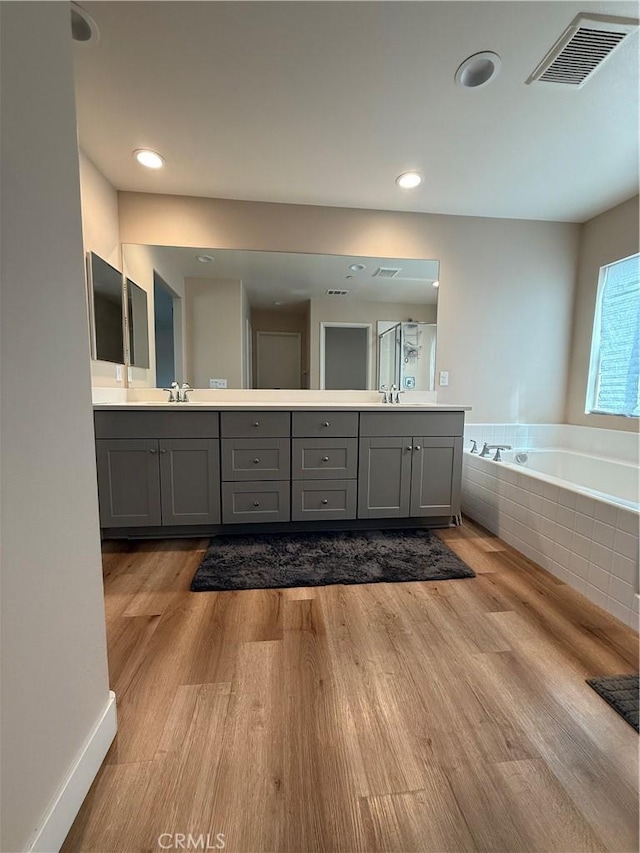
column 226, row 318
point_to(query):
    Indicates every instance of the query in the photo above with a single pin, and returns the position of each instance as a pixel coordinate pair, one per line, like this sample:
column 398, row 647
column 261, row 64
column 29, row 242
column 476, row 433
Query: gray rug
column 622, row 693
column 268, row 561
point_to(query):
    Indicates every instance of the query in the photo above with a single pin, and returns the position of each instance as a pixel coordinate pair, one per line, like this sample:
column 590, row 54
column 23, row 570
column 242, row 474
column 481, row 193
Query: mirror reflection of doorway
column 163, row 298
column 345, row 356
column 279, row 360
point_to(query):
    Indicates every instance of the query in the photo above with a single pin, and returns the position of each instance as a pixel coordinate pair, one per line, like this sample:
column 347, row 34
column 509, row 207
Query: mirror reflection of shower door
column 389, row 357
column 418, row 357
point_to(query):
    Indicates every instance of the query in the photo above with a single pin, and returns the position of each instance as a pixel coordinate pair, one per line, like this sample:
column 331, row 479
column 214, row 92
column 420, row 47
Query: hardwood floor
column 440, row 716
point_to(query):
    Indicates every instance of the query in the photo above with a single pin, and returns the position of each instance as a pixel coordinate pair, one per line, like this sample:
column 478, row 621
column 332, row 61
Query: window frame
column 593, row 378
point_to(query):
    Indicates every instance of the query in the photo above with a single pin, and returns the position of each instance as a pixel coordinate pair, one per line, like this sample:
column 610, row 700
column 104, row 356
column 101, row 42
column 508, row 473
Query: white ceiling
column 293, row 278
column 326, row 103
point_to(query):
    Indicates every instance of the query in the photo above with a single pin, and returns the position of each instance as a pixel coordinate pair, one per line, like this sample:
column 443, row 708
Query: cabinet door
column 128, row 482
column 190, row 480
column 435, row 476
column 384, row 480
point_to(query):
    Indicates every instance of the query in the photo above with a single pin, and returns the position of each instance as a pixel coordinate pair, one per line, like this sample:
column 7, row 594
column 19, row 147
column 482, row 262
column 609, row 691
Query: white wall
column 54, row 664
column 506, row 292
column 607, row 238
column 101, row 234
column 214, row 313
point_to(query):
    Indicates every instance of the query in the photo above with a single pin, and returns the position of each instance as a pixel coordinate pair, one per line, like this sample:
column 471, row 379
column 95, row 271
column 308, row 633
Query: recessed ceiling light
column 205, row 259
column 478, row 70
column 435, row 283
column 148, row 158
column 409, row 180
column 278, row 303
column 83, row 27
column 356, row 267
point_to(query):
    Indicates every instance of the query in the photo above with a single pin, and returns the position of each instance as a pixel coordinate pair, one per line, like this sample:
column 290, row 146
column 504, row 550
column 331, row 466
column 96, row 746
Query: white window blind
column 615, row 358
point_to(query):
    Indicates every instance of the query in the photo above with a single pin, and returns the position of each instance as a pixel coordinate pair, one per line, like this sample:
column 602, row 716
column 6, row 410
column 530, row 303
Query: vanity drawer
column 374, row 424
column 325, row 458
column 325, row 424
column 255, row 502
column 155, row 424
column 256, row 424
column 316, row 500
column 256, row 458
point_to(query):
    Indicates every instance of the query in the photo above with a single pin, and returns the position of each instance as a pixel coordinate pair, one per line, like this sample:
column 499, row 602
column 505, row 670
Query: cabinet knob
column 325, row 501
column 417, row 447
column 409, row 447
column 256, row 503
column 163, row 450
column 325, row 458
column 153, row 450
column 256, row 460
column 256, row 423
column 326, row 423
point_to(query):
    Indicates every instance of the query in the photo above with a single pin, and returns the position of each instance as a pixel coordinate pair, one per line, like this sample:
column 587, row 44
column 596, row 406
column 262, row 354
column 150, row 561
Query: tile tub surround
column 588, row 543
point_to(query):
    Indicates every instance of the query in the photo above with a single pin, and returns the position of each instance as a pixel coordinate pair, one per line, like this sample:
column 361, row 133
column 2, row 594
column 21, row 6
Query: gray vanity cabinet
column 190, row 481
column 384, row 481
column 128, row 482
column 436, row 471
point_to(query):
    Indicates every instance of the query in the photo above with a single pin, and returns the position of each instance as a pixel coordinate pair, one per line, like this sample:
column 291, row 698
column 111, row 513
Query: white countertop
column 228, row 405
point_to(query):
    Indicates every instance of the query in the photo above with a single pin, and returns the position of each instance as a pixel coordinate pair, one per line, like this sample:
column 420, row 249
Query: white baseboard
column 57, row 822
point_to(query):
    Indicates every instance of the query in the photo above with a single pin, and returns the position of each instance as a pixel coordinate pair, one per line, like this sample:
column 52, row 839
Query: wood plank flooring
column 440, row 716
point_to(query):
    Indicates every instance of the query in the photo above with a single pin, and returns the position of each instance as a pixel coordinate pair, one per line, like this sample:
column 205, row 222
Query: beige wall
column 54, row 663
column 506, row 294
column 339, row 310
column 609, row 237
column 214, row 314
column 267, row 320
column 101, row 234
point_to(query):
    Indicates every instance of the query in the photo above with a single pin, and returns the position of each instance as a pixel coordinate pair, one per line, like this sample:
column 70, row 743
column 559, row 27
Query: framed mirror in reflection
column 138, row 325
column 254, row 319
column 106, row 310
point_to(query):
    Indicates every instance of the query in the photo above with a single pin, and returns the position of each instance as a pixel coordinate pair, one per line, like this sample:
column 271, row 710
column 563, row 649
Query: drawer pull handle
column 325, row 458
column 325, row 501
column 256, row 503
column 256, row 423
column 256, row 460
column 326, row 423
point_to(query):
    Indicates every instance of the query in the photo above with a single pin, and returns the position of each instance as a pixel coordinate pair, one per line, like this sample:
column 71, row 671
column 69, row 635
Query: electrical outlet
column 118, row 373
column 217, row 383
column 444, row 378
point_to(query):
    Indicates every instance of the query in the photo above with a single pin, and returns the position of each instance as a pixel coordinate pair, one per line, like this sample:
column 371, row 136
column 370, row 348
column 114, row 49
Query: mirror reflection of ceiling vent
column 581, row 49
column 334, row 292
column 386, row 272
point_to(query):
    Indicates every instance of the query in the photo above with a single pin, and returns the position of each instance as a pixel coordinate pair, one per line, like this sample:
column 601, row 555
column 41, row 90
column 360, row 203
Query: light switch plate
column 118, row 373
column 130, row 374
column 444, row 378
column 217, row 383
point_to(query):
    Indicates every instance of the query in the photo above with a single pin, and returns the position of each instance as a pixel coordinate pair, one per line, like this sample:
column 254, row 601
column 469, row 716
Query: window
column 614, row 373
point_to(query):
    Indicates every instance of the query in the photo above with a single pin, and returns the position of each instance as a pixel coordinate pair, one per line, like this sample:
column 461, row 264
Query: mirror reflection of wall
column 106, row 300
column 264, row 319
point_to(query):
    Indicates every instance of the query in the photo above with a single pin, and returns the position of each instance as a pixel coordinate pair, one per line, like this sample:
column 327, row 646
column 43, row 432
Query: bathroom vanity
column 167, row 470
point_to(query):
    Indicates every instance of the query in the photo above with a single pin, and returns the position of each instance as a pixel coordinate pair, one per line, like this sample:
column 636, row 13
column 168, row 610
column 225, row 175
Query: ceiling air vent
column 386, row 272
column 333, row 292
column 581, row 49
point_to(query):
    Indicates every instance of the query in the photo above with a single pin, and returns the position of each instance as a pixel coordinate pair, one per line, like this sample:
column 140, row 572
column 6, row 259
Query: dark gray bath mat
column 267, row 561
column 621, row 692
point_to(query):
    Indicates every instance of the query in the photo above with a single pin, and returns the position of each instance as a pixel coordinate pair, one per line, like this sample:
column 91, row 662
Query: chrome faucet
column 474, row 445
column 386, row 398
column 182, row 393
column 497, row 447
column 174, row 392
column 395, row 394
